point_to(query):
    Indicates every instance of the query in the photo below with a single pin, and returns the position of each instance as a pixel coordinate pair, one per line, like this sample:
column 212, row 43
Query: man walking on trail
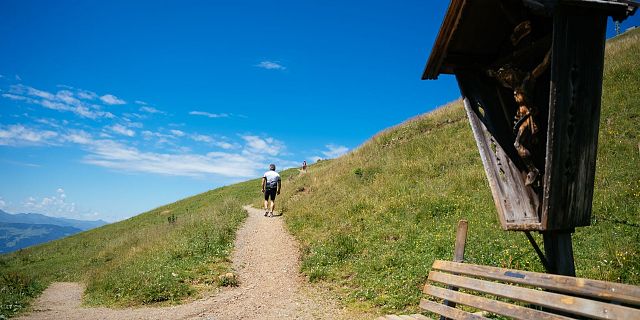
column 271, row 184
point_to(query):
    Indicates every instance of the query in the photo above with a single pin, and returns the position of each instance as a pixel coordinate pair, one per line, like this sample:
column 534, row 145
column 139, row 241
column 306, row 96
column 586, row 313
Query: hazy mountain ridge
column 22, row 230
column 37, row 218
column 15, row 236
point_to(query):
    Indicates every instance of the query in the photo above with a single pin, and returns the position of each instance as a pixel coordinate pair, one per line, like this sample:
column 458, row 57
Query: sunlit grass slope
column 372, row 222
column 161, row 256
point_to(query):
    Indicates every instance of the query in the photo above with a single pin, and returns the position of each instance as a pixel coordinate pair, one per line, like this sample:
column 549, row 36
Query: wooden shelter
column 530, row 73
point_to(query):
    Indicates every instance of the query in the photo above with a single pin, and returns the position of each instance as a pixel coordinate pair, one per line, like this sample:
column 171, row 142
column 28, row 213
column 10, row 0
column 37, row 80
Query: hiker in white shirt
column 271, row 184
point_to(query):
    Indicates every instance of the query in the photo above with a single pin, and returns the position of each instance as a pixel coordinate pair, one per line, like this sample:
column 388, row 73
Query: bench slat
column 447, row 311
column 418, row 316
column 580, row 286
column 494, row 306
column 580, row 306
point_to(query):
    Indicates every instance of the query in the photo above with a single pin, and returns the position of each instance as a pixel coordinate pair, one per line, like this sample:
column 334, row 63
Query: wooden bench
column 520, row 294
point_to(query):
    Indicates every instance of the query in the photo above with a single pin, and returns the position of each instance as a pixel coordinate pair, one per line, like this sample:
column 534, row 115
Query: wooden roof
column 473, row 32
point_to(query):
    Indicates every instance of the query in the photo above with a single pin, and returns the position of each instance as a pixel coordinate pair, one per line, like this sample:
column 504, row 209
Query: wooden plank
column 497, row 307
column 584, row 287
column 451, row 313
column 461, row 240
column 516, row 203
column 418, row 316
column 458, row 253
column 392, row 317
column 406, row 317
column 574, row 117
column 579, row 306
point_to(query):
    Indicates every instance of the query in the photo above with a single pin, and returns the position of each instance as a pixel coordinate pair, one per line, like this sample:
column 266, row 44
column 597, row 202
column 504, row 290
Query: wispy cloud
column 149, row 109
column 115, row 155
column 235, row 160
column 111, row 99
column 57, row 205
column 334, row 151
column 270, row 65
column 208, row 114
column 19, row 135
column 264, row 146
column 63, row 100
column 120, row 129
column 177, row 133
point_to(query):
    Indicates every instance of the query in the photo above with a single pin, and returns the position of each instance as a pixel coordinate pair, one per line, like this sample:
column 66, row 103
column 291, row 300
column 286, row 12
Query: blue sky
column 112, row 108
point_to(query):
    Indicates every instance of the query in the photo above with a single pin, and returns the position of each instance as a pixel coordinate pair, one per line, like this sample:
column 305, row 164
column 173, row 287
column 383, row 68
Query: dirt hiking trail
column 266, row 261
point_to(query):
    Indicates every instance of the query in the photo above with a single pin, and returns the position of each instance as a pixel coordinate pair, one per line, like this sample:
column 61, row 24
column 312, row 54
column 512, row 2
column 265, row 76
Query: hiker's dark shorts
column 270, row 193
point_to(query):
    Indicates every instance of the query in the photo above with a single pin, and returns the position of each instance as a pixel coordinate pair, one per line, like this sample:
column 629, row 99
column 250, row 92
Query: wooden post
column 458, row 254
column 558, row 249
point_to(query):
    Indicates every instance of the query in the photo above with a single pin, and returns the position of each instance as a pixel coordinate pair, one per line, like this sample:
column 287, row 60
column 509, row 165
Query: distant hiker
column 304, row 166
column 271, row 184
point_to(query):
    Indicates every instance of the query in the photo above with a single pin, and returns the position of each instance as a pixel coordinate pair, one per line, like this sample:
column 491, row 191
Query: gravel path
column 266, row 261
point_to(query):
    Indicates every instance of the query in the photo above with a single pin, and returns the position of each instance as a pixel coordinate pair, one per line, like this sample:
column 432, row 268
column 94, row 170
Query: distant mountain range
column 21, row 230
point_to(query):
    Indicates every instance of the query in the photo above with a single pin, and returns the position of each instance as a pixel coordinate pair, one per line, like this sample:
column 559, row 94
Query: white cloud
column 3, row 204
column 86, row 95
column 19, row 135
column 315, row 159
column 63, row 100
column 212, row 141
column 111, row 99
column 149, row 109
column 208, row 114
column 18, row 78
column 257, row 145
column 120, row 129
column 56, row 205
column 335, row 151
column 270, row 65
column 111, row 154
column 177, row 133
column 142, row 103
column 201, row 138
column 225, row 145
column 78, row 137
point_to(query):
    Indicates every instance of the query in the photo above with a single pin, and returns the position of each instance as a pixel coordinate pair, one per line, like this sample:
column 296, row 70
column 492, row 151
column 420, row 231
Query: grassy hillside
column 372, row 222
column 145, row 259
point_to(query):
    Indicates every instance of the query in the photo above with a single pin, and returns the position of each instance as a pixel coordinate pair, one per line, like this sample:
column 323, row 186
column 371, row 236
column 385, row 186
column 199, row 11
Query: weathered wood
column 574, row 116
column 461, row 240
column 451, row 313
column 418, row 316
column 517, row 204
column 558, row 249
column 604, row 290
column 497, row 307
column 564, row 303
column 458, row 253
column 406, row 317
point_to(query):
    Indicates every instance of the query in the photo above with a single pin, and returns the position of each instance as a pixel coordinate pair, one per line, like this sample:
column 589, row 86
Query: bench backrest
column 563, row 297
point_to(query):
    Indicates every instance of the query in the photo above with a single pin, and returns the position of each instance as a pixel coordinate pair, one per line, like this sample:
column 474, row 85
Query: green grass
column 145, row 259
column 372, row 222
